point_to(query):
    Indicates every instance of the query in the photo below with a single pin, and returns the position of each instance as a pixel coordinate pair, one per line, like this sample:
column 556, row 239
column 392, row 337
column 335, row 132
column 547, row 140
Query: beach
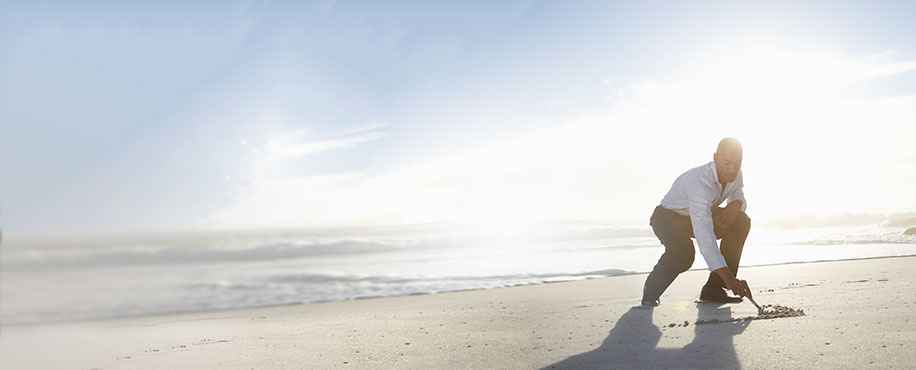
column 858, row 314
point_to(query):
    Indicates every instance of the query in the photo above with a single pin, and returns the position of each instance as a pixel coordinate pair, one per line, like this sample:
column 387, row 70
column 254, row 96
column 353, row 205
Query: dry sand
column 858, row 314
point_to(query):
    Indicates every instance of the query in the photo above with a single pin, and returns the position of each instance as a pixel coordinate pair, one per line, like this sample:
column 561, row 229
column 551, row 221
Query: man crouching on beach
column 691, row 209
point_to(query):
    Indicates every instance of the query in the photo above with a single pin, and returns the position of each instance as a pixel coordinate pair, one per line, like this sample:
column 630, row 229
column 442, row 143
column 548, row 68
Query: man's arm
column 736, row 202
column 700, row 200
column 727, row 217
column 700, row 197
column 738, row 194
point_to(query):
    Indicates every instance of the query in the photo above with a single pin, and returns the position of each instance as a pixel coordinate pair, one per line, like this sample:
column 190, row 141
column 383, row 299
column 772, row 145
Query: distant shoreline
column 364, row 298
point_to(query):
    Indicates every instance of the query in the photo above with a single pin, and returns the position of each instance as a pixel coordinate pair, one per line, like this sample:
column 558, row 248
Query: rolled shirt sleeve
column 700, row 207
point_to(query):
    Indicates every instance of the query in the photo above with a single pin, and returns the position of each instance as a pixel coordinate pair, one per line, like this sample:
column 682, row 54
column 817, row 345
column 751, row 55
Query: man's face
column 728, row 163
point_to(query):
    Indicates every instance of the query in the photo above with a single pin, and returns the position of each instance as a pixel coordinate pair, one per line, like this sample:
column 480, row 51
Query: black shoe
column 649, row 303
column 717, row 295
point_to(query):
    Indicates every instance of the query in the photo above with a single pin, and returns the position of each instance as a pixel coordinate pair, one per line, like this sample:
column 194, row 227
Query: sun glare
column 799, row 116
column 791, row 108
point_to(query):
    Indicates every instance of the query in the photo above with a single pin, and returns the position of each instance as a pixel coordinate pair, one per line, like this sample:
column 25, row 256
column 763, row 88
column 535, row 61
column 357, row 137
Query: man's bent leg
column 731, row 246
column 673, row 230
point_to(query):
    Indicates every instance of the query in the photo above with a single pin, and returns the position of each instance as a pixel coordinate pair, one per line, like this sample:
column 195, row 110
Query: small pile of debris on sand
column 765, row 312
column 771, row 311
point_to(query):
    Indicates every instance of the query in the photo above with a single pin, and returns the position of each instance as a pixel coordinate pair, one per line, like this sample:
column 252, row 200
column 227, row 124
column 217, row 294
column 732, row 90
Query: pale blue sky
column 123, row 115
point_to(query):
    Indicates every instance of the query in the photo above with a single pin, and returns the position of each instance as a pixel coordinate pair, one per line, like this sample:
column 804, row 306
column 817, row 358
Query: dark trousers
column 675, row 231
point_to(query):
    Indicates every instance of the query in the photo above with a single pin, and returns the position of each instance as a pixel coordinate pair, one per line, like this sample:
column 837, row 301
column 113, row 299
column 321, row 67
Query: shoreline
column 856, row 316
column 364, row 298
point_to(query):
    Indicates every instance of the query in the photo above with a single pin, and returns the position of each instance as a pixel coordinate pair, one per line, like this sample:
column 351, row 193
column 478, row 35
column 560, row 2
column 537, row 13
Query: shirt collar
column 715, row 174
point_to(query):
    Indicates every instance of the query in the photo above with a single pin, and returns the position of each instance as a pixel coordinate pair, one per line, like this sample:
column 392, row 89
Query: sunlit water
column 100, row 277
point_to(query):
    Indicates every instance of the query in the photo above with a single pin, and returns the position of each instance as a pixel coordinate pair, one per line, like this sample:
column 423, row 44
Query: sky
column 126, row 116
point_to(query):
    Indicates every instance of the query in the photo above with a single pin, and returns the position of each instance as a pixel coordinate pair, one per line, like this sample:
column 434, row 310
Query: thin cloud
column 889, row 69
column 297, row 143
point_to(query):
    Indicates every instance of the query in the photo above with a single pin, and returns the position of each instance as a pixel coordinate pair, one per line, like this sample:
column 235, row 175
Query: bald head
column 729, row 145
column 728, row 158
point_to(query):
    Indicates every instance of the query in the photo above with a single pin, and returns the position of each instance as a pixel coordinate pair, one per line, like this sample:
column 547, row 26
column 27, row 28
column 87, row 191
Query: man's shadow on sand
column 631, row 345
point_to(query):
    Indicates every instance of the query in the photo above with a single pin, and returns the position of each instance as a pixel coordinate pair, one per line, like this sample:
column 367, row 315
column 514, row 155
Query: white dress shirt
column 695, row 193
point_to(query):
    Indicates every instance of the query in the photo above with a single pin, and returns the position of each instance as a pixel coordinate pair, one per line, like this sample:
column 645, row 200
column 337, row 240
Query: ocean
column 95, row 277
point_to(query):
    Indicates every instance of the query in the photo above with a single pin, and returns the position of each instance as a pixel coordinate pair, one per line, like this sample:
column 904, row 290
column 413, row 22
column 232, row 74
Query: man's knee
column 685, row 261
column 742, row 222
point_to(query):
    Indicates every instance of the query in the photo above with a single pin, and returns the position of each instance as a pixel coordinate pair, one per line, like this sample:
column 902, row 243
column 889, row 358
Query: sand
column 857, row 314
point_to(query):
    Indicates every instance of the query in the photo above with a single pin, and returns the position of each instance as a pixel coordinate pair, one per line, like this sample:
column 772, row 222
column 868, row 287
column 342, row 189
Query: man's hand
column 727, row 217
column 739, row 288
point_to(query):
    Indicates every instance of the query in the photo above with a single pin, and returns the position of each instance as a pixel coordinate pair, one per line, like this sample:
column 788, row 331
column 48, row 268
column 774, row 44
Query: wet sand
column 857, row 314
